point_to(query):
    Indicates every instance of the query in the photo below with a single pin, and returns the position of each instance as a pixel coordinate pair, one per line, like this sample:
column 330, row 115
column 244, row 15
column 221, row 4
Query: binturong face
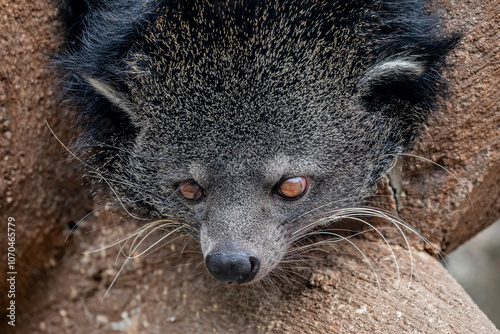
column 251, row 123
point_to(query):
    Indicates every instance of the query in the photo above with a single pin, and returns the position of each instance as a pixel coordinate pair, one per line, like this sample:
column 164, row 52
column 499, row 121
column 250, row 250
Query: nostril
column 207, row 261
column 255, row 266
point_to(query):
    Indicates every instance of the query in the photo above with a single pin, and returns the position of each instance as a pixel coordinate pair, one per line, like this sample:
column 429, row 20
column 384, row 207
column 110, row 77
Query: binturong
column 248, row 123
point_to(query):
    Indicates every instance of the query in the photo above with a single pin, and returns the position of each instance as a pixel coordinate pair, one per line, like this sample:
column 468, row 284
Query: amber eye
column 292, row 188
column 190, row 189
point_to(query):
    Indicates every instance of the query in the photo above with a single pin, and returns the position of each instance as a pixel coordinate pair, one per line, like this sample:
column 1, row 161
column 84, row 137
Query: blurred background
column 476, row 266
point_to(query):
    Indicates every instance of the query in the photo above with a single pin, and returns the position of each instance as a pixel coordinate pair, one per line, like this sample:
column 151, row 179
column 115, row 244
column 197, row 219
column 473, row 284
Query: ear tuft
column 115, row 97
column 393, row 70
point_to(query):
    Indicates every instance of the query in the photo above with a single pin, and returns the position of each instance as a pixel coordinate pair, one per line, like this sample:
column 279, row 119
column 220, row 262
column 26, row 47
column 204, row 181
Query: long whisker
column 120, row 200
column 445, row 169
column 124, row 239
column 304, row 248
column 359, row 250
column 319, row 208
column 133, row 250
column 93, row 170
column 91, row 213
column 355, row 213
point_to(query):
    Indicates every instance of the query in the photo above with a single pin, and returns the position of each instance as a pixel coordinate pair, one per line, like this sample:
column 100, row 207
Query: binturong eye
column 189, row 189
column 292, row 188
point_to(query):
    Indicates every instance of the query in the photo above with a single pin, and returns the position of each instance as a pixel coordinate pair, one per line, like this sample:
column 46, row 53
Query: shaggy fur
column 239, row 95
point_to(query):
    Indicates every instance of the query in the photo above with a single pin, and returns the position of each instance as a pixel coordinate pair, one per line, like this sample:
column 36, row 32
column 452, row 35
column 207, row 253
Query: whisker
column 132, row 251
column 357, row 213
column 445, row 169
column 360, row 251
column 308, row 247
column 109, row 204
column 123, row 239
column 318, row 208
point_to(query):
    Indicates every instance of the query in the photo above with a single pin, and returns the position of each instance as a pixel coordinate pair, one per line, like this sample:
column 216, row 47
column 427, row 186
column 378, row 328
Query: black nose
column 232, row 267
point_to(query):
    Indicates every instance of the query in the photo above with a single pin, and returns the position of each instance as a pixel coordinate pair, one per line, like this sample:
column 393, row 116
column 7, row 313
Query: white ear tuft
column 393, row 70
column 117, row 98
column 399, row 66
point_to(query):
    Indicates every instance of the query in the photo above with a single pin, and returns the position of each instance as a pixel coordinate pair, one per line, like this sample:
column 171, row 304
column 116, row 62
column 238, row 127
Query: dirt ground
column 61, row 289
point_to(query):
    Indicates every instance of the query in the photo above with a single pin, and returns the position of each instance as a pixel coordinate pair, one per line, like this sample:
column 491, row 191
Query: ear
column 404, row 90
column 399, row 79
column 115, row 97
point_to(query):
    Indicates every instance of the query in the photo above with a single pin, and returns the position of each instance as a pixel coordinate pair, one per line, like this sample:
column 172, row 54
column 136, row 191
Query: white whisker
column 356, row 214
column 445, row 169
column 360, row 251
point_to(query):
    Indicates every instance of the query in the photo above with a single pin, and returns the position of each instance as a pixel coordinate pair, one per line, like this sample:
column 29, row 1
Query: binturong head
column 249, row 123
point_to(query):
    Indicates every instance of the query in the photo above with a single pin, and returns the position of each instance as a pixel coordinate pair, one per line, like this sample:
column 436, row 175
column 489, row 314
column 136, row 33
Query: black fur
column 114, row 29
column 236, row 95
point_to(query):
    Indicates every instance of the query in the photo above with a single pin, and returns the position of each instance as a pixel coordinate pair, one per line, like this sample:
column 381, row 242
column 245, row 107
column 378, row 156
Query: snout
column 232, row 264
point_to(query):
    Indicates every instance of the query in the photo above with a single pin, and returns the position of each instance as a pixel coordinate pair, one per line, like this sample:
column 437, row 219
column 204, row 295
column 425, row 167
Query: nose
column 232, row 266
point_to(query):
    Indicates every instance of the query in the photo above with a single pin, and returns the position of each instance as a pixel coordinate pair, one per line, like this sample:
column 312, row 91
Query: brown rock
column 33, row 178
